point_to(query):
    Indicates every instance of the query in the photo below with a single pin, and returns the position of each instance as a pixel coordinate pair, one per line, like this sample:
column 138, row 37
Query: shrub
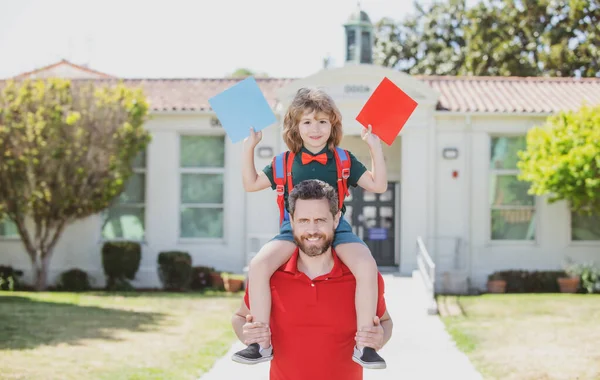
column 121, row 261
column 9, row 278
column 201, row 277
column 522, row 281
column 74, row 280
column 175, row 270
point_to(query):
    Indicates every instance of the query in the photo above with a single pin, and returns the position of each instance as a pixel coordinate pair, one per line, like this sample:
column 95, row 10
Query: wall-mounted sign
column 378, row 233
column 450, row 153
column 356, row 89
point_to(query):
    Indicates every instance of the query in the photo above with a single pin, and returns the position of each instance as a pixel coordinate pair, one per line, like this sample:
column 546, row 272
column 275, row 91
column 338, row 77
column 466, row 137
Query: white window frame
column 138, row 170
column 489, row 207
column 577, row 243
column 214, row 170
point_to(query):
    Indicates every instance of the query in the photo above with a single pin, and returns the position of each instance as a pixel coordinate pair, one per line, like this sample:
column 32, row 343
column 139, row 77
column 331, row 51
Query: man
column 313, row 317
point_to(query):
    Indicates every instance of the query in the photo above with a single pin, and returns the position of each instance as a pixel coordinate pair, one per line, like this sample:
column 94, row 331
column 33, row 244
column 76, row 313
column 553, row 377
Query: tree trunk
column 40, row 263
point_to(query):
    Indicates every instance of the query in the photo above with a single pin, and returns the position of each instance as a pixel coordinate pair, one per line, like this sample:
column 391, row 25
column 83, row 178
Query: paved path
column 420, row 347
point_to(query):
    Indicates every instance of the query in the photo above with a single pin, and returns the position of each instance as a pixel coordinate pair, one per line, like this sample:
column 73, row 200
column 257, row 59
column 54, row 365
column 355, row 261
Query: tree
column 243, row 73
column 495, row 37
column 429, row 43
column 562, row 159
column 66, row 150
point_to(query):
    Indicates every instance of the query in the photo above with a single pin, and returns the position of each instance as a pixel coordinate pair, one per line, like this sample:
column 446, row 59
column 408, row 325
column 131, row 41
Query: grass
column 113, row 336
column 527, row 336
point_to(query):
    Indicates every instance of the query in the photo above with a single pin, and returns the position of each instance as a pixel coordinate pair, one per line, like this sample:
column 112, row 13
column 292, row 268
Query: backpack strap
column 282, row 174
column 342, row 161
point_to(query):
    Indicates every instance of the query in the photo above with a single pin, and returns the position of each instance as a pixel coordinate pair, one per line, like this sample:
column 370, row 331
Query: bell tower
column 359, row 38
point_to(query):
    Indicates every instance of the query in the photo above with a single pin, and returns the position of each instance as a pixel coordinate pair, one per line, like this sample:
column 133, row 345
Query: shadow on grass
column 166, row 294
column 27, row 323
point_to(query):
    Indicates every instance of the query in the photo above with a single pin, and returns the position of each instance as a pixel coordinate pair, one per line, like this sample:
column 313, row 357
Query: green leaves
column 66, row 151
column 495, row 37
column 562, row 159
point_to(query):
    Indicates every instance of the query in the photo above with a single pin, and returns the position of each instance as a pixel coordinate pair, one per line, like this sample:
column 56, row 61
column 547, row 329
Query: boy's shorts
column 343, row 233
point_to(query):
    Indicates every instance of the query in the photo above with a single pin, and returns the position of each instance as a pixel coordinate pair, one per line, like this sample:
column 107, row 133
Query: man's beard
column 314, row 249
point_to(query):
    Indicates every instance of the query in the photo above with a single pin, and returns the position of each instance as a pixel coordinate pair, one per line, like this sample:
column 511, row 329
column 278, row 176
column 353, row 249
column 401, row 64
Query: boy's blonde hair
column 311, row 100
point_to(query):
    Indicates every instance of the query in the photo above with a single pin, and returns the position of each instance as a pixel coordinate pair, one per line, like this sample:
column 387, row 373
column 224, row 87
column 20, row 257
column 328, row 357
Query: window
column 366, row 54
column 202, row 169
column 512, row 208
column 585, row 227
column 125, row 219
column 8, row 228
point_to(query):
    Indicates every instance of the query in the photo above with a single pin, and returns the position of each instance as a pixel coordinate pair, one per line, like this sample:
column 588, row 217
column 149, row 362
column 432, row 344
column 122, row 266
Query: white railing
column 427, row 271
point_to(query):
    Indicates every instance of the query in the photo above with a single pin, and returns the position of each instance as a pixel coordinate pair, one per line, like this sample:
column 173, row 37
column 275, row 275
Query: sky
column 181, row 38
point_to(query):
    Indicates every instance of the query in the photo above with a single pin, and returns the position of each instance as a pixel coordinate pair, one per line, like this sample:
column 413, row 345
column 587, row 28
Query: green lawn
column 527, row 336
column 113, row 336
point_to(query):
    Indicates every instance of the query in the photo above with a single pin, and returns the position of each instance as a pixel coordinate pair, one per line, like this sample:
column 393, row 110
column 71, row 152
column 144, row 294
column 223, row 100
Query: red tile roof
column 457, row 94
column 513, row 94
column 193, row 94
column 63, row 62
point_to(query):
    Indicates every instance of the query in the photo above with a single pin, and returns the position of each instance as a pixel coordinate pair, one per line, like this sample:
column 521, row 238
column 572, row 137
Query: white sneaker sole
column 243, row 360
column 369, row 365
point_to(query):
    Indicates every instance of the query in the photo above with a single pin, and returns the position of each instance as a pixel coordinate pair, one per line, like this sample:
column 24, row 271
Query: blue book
column 240, row 107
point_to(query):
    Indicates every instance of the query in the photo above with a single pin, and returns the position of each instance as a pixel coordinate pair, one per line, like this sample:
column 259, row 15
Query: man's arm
column 247, row 331
column 388, row 325
column 239, row 319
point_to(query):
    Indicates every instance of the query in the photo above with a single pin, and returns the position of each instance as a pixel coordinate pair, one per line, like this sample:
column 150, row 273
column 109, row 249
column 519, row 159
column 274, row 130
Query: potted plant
column 216, row 281
column 233, row 282
column 570, row 282
column 496, row 283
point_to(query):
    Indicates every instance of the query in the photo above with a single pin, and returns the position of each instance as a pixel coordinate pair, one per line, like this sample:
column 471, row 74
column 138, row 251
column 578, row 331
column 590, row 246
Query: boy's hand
column 371, row 336
column 371, row 139
column 253, row 140
column 256, row 332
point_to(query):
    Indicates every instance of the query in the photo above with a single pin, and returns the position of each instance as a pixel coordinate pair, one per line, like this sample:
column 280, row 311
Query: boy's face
column 315, row 129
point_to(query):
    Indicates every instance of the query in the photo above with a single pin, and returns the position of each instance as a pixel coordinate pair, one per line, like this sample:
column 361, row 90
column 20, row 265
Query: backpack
column 282, row 174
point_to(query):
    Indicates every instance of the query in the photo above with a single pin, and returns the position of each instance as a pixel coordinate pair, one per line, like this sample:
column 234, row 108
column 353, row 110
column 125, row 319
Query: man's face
column 313, row 226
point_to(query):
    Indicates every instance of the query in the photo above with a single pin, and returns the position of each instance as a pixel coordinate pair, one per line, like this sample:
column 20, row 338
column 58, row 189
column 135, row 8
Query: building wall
column 461, row 242
column 81, row 242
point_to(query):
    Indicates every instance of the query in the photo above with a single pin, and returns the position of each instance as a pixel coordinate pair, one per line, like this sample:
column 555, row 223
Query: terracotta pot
column 496, row 286
column 233, row 285
column 216, row 280
column 568, row 284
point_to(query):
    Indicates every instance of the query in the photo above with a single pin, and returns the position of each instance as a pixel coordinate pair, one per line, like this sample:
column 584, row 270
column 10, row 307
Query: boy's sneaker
column 368, row 358
column 253, row 354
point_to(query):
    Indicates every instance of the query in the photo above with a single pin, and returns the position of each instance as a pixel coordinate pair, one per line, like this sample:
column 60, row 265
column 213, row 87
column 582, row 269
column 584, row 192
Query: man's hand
column 256, row 332
column 253, row 140
column 371, row 336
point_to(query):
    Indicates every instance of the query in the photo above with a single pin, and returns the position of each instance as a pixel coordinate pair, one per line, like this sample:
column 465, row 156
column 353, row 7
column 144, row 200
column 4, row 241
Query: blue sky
column 181, row 38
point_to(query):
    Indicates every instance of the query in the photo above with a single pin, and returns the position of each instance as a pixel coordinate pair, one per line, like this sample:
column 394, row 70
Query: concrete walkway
column 420, row 347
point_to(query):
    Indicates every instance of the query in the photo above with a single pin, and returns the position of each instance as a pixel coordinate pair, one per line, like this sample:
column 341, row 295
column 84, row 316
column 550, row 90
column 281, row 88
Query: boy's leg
column 360, row 261
column 270, row 257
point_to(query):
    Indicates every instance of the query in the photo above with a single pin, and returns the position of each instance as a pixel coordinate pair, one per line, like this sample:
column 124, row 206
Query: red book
column 387, row 110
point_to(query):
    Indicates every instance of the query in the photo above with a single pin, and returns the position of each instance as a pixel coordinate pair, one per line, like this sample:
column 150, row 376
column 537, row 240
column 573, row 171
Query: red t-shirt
column 313, row 323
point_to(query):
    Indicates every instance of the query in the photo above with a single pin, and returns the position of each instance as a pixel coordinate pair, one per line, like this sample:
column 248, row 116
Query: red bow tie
column 320, row 158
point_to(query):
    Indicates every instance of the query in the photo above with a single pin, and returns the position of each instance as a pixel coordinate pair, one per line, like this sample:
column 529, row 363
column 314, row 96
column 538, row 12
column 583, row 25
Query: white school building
column 452, row 176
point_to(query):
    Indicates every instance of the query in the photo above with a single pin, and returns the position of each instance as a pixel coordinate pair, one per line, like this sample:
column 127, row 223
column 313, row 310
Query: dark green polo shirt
column 315, row 170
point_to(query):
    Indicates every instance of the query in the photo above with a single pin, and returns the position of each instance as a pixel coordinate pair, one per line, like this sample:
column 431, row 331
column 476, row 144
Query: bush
column 121, row 261
column 175, row 270
column 522, row 281
column 9, row 278
column 201, row 278
column 74, row 280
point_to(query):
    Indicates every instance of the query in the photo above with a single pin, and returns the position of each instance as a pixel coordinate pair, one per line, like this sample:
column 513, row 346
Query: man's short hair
column 313, row 189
